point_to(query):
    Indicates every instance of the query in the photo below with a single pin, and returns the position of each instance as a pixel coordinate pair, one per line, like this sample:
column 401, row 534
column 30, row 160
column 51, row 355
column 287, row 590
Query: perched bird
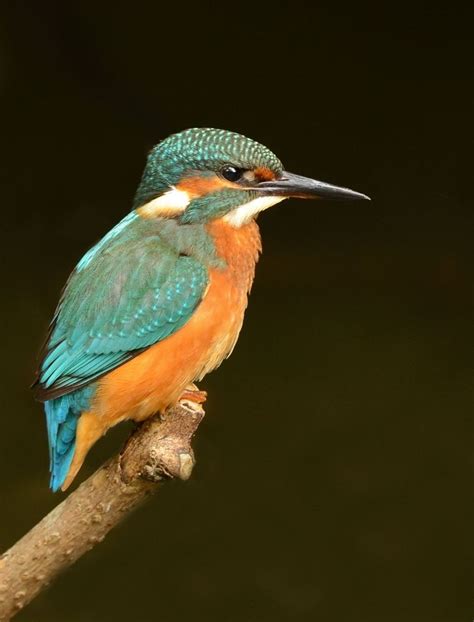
column 159, row 302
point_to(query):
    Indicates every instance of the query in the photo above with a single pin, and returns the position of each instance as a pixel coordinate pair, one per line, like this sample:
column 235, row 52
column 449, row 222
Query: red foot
column 192, row 394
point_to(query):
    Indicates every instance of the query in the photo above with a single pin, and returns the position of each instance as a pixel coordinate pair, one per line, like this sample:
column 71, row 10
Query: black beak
column 290, row 185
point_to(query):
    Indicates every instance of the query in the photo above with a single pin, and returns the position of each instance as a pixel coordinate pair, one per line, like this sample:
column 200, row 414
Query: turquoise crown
column 200, row 149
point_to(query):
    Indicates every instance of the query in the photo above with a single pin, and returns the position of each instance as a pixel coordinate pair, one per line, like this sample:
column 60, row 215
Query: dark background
column 332, row 477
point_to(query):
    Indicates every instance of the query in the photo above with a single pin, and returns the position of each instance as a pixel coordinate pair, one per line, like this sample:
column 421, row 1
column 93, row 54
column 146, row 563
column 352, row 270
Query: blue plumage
column 62, row 415
column 136, row 287
column 133, row 289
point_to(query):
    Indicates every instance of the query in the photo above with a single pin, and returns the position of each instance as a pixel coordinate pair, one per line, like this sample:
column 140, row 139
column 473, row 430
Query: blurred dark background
column 332, row 480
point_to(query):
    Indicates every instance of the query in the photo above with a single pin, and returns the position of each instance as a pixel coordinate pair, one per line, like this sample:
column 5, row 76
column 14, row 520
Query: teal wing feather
column 132, row 290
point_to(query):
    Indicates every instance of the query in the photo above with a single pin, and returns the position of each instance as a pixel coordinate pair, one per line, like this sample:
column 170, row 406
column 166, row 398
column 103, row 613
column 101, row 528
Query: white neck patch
column 175, row 201
column 172, row 202
column 244, row 213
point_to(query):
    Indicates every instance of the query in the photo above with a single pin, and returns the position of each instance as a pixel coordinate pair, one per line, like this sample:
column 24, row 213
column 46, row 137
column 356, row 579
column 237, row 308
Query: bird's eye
column 232, row 173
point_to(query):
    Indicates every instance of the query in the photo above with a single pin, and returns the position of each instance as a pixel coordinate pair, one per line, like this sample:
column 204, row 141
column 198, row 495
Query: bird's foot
column 192, row 394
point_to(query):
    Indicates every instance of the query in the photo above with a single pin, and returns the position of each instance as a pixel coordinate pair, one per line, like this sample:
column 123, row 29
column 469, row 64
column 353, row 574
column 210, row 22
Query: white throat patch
column 175, row 201
column 168, row 204
column 244, row 213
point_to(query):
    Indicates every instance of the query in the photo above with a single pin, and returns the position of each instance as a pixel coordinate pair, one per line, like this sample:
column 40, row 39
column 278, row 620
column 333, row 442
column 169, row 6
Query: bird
column 159, row 301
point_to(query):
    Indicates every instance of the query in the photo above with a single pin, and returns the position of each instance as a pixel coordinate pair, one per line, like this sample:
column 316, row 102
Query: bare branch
column 158, row 450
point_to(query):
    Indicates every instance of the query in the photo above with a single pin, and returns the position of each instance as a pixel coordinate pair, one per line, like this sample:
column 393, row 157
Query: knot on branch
column 169, row 459
column 161, row 447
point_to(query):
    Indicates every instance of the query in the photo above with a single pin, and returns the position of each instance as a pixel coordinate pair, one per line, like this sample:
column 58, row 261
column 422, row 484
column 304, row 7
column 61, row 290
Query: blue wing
column 140, row 284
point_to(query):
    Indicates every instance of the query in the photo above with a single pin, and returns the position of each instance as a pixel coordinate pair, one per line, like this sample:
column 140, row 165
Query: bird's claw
column 193, row 394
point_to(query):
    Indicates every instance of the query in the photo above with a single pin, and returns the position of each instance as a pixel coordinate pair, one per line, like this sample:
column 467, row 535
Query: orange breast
column 156, row 378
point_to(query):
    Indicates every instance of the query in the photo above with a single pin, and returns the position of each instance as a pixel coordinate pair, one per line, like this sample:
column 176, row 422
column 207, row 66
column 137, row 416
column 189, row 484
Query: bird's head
column 202, row 174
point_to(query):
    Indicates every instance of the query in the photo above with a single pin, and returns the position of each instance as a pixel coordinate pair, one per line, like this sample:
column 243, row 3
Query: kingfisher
column 159, row 301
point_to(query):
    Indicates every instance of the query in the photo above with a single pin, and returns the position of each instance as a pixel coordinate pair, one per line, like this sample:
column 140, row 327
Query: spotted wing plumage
column 132, row 292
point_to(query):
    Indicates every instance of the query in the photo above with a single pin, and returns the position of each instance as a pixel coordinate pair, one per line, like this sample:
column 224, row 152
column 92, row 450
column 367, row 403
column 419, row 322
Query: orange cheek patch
column 262, row 173
column 200, row 186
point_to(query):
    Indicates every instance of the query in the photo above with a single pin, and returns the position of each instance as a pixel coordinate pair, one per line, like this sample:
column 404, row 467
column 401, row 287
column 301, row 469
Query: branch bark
column 160, row 449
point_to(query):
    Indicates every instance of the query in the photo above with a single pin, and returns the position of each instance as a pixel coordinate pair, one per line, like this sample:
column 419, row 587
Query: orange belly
column 156, row 378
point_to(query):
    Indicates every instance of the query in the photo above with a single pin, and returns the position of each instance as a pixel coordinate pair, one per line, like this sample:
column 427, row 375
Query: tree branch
column 160, row 449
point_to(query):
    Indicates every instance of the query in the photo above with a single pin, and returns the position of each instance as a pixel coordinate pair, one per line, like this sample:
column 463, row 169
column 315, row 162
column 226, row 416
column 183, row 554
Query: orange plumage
column 155, row 379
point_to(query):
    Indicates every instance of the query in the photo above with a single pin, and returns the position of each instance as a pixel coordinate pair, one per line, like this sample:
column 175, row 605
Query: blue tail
column 62, row 415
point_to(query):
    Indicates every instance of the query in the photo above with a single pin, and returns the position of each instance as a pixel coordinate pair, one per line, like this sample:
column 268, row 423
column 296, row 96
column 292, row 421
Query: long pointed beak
column 290, row 185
